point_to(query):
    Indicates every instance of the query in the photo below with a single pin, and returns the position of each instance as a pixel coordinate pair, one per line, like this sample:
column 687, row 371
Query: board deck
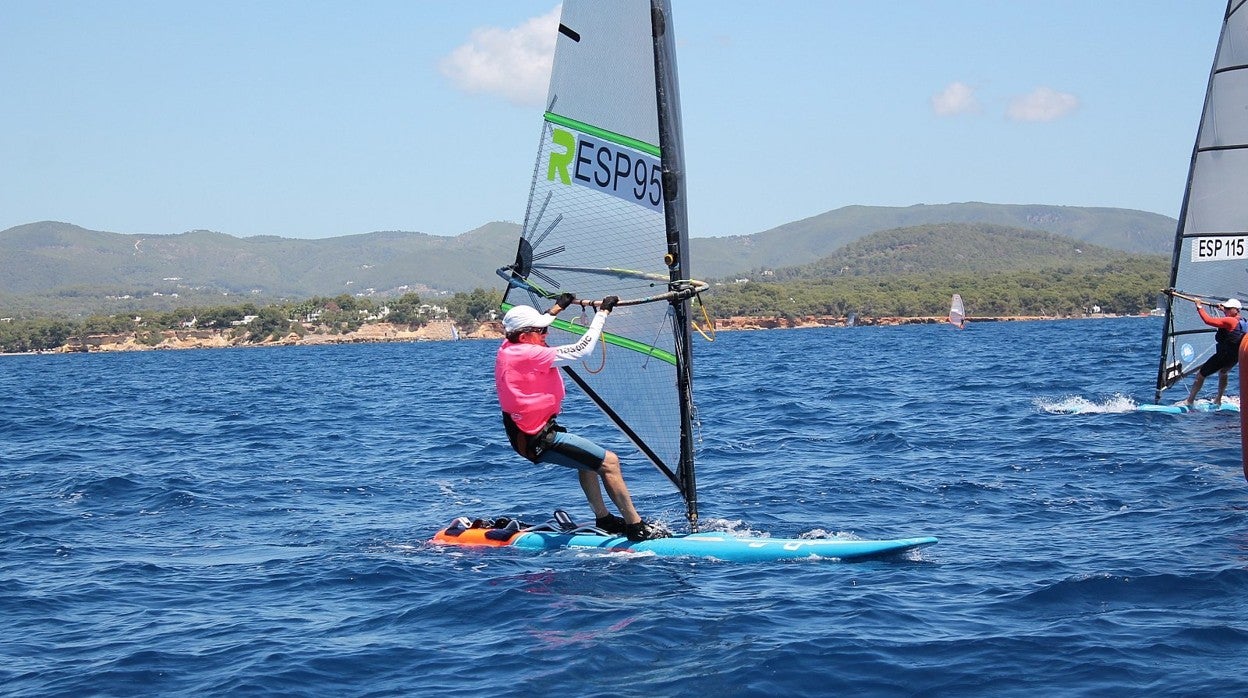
column 719, row 546
column 1199, row 406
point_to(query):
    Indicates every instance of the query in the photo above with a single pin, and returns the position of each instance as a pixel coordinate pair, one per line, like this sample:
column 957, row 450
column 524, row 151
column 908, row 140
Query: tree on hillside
column 41, row 334
column 270, row 322
column 406, row 310
column 99, row 324
column 475, row 306
column 218, row 318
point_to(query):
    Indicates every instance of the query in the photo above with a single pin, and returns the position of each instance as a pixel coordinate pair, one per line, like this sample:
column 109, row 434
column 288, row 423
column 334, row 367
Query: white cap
column 522, row 316
column 1232, row 303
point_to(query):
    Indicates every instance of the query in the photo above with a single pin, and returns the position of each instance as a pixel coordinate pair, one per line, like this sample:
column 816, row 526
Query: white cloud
column 957, row 98
column 513, row 63
column 1042, row 104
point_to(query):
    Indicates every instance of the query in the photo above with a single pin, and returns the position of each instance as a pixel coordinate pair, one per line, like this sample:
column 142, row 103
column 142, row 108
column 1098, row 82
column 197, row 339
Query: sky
column 323, row 118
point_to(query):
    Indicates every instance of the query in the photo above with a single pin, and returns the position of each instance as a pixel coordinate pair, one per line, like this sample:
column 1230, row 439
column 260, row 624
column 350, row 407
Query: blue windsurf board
column 1198, row 406
column 720, row 546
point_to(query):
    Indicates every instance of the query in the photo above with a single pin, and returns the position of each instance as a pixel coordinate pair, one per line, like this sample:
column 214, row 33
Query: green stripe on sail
column 617, row 138
column 617, row 340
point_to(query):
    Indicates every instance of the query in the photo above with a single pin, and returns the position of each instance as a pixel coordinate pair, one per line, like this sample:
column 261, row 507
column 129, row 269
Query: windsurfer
column 530, row 393
column 1231, row 330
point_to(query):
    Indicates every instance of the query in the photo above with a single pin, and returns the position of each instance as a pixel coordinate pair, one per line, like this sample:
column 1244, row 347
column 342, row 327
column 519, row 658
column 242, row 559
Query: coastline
column 437, row 330
column 810, row 321
column 446, row 330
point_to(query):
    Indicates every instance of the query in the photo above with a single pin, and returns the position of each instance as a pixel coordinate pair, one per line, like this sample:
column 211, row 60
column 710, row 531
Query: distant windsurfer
column 530, row 393
column 1231, row 330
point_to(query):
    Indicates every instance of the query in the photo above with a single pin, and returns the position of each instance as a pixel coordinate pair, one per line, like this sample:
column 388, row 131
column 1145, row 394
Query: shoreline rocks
column 444, row 330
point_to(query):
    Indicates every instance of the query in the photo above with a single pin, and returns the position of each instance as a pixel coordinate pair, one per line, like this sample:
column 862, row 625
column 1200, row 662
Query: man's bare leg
column 593, row 492
column 613, row 481
column 1196, row 385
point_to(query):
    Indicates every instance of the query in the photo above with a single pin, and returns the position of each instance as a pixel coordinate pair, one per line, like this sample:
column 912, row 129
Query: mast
column 1164, row 379
column 671, row 145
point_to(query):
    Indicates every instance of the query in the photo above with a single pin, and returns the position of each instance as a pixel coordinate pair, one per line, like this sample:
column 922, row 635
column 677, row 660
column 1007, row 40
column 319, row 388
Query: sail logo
column 607, row 167
column 1216, row 249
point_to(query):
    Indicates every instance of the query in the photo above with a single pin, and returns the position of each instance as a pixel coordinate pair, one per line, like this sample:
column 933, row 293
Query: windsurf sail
column 1210, row 259
column 606, row 216
column 957, row 312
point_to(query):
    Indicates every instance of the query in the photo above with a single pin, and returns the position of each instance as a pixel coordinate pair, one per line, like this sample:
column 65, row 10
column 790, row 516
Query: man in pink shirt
column 530, row 393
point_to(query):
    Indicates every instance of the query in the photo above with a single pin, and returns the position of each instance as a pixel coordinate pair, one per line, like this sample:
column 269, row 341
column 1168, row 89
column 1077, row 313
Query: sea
column 255, row 522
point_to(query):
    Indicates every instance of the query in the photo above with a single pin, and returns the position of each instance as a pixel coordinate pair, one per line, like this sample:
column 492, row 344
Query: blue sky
column 315, row 119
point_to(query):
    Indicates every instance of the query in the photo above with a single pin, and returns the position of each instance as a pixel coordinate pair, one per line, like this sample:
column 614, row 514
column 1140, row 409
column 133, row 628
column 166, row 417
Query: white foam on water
column 1075, row 404
column 1115, row 404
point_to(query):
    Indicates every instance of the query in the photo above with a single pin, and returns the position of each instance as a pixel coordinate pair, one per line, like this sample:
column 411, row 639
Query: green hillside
column 914, row 271
column 953, row 248
column 59, row 268
column 49, row 260
column 818, row 236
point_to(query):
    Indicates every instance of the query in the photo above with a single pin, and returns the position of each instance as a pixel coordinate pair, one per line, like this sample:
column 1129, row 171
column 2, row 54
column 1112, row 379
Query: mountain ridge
column 50, row 260
column 800, row 241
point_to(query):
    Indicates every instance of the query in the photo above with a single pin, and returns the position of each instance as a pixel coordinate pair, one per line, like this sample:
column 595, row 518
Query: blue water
column 252, row 522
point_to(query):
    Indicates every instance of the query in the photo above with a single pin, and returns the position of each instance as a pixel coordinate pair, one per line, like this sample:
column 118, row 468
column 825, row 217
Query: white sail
column 1211, row 242
column 957, row 312
column 606, row 216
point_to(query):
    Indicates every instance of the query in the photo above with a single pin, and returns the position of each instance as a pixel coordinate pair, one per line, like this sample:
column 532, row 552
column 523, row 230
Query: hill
column 60, row 268
column 42, row 257
column 913, row 271
column 955, row 248
column 811, row 238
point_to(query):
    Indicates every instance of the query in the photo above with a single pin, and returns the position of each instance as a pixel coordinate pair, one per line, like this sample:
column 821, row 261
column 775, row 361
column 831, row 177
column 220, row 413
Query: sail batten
column 1215, row 148
column 606, row 216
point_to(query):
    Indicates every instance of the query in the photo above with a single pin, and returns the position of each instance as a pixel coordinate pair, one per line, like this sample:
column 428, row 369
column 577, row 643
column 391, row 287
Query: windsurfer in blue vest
column 1231, row 329
column 530, row 393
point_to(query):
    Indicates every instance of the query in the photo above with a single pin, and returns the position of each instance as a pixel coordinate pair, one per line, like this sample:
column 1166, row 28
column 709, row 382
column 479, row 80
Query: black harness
column 531, row 446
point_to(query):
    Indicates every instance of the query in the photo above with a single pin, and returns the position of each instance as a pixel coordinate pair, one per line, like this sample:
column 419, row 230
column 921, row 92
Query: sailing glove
column 608, row 303
column 565, row 299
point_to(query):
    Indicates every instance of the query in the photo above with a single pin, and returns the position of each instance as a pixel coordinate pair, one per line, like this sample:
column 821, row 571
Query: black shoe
column 644, row 530
column 610, row 524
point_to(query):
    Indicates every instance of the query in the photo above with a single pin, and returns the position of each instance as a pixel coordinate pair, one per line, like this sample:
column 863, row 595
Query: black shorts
column 1223, row 359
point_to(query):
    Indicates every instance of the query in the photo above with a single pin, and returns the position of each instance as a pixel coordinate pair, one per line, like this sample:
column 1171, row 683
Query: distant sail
column 957, row 312
column 1211, row 242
